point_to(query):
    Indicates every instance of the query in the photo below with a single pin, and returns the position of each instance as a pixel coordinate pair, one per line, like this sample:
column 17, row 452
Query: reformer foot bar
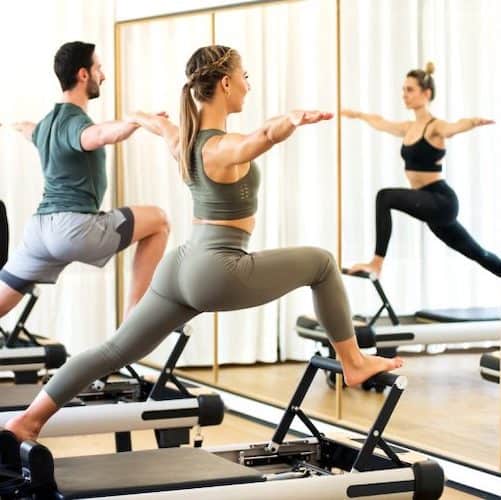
column 316, row 467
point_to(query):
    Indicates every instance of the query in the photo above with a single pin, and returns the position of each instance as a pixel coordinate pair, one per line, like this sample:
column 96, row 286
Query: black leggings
column 437, row 205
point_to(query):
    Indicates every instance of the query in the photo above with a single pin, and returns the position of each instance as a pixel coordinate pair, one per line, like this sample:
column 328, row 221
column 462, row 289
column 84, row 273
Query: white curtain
column 304, row 78
column 466, row 34
column 154, row 56
column 382, row 40
column 79, row 310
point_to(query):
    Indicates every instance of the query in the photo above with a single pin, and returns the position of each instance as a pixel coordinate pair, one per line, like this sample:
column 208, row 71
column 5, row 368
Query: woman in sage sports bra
column 213, row 271
column 430, row 198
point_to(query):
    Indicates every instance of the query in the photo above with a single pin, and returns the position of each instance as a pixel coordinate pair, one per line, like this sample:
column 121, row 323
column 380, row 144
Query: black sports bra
column 422, row 156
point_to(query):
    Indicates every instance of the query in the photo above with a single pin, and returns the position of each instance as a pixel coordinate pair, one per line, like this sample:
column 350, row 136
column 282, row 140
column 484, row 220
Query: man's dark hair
column 69, row 59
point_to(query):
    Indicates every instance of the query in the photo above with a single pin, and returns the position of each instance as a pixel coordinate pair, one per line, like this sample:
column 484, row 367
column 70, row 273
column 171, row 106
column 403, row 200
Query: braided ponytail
column 204, row 70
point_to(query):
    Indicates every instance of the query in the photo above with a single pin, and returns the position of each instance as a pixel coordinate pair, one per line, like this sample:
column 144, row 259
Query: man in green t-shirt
column 68, row 225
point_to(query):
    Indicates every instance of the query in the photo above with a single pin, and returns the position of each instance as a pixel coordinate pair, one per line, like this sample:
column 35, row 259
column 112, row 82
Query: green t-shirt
column 75, row 179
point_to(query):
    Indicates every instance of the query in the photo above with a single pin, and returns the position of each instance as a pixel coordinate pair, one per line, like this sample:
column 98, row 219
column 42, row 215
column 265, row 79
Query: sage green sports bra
column 220, row 201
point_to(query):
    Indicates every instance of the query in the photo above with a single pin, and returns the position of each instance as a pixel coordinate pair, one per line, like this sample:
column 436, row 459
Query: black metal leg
column 123, row 441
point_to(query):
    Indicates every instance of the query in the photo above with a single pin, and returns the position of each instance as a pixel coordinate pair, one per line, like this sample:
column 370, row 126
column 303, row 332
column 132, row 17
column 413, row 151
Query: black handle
column 37, row 461
column 9, row 451
column 211, row 409
column 55, row 355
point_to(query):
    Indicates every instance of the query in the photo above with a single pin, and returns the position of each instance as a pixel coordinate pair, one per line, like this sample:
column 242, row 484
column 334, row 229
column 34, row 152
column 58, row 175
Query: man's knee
column 161, row 220
column 148, row 221
column 164, row 221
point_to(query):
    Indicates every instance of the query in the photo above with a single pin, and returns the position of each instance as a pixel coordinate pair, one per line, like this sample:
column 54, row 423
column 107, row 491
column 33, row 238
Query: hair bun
column 429, row 69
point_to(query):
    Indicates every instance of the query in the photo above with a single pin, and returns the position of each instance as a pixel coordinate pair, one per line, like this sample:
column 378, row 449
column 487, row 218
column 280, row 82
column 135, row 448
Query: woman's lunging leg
column 261, row 277
column 457, row 237
column 149, row 323
column 418, row 203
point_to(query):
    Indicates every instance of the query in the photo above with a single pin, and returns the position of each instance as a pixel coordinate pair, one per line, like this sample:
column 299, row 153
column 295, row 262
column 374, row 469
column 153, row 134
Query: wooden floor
column 447, row 407
column 232, row 430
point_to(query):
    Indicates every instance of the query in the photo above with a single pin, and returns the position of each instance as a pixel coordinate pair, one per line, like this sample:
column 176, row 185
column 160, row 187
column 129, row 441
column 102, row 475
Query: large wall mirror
column 293, row 64
column 448, row 406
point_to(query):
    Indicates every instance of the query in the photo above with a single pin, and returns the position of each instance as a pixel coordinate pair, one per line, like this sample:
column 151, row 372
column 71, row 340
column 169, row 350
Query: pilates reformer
column 22, row 352
column 122, row 406
column 386, row 334
column 316, row 466
column 26, row 354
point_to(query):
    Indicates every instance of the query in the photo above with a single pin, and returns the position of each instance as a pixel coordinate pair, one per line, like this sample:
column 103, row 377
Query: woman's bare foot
column 29, row 423
column 375, row 266
column 356, row 372
column 22, row 429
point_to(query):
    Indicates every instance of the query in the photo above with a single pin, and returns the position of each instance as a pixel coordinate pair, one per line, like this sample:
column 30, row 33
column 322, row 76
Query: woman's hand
column 25, row 128
column 479, row 122
column 349, row 113
column 447, row 130
column 154, row 122
column 303, row 117
column 132, row 117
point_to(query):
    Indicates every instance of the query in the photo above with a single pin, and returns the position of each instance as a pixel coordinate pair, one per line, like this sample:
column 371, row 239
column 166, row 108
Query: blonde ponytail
column 204, row 70
column 189, row 124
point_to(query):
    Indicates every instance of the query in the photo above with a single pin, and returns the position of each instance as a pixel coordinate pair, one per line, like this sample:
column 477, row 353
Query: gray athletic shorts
column 52, row 241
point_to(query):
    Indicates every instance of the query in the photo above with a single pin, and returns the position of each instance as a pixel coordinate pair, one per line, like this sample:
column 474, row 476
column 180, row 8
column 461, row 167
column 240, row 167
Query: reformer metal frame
column 317, row 458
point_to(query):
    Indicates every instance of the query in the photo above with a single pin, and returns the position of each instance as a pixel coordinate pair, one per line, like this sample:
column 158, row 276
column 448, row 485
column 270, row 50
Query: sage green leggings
column 211, row 272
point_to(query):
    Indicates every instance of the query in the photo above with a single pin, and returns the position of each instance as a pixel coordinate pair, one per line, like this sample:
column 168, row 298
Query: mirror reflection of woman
column 429, row 199
column 213, row 271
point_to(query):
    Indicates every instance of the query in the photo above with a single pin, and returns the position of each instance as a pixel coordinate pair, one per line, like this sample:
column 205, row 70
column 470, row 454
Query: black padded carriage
column 459, row 315
column 17, row 398
column 159, row 470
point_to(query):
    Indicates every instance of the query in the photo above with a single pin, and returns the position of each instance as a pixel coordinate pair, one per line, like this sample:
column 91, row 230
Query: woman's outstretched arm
column 234, row 149
column 378, row 122
column 448, row 129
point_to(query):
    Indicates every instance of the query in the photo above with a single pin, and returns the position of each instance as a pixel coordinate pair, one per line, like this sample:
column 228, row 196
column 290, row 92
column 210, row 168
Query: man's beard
column 92, row 89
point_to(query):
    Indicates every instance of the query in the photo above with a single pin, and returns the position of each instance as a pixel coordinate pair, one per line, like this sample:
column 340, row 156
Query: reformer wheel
column 330, row 378
column 369, row 385
column 386, row 352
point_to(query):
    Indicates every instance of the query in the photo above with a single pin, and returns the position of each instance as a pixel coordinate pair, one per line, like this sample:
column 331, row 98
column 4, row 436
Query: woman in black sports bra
column 430, row 198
